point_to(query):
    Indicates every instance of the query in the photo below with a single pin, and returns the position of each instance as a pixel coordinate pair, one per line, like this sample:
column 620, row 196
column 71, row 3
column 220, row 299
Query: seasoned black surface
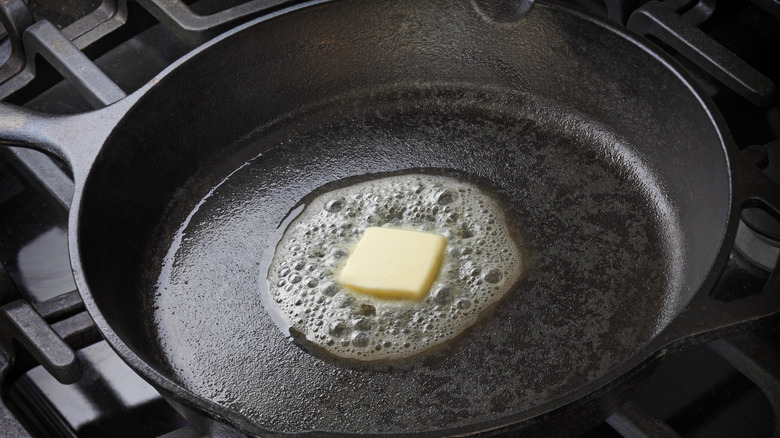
column 599, row 240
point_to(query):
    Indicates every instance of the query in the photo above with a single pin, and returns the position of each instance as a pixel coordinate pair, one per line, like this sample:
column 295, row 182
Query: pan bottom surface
column 601, row 250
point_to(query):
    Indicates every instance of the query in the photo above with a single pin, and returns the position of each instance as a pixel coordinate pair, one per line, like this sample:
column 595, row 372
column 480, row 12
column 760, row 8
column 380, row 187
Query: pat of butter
column 393, row 263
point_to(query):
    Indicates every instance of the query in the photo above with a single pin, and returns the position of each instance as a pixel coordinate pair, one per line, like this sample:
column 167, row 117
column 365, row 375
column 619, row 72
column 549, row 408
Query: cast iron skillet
column 621, row 178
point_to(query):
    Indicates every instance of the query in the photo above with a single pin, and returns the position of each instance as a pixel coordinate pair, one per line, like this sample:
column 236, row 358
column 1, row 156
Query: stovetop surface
column 726, row 388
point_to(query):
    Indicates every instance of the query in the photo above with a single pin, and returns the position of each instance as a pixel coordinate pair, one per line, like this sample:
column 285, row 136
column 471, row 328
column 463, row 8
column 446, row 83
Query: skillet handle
column 76, row 139
column 705, row 319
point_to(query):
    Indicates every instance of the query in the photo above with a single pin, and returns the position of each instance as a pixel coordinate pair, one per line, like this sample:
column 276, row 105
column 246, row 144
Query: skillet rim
column 587, row 392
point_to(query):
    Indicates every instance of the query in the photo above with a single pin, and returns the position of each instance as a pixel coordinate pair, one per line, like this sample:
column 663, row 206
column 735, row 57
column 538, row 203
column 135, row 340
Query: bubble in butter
column 482, row 262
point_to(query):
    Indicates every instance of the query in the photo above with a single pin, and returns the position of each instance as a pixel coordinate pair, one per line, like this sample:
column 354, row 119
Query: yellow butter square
column 394, row 263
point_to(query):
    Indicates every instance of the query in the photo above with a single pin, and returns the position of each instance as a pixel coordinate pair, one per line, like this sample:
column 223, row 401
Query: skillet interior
column 588, row 148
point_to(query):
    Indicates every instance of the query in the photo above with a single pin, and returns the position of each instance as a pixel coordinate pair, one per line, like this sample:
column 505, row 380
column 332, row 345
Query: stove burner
column 104, row 48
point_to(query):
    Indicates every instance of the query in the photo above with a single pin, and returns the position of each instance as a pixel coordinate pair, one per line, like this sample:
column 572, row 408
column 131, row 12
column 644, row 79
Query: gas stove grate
column 90, row 50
